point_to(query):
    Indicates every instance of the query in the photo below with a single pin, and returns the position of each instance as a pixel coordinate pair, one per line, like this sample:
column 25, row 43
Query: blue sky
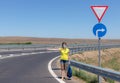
column 57, row 18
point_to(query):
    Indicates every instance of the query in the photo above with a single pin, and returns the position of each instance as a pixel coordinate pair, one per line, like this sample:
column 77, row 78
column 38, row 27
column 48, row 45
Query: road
column 27, row 69
column 22, row 51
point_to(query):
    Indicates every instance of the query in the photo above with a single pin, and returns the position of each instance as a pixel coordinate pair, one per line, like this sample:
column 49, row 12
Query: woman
column 64, row 58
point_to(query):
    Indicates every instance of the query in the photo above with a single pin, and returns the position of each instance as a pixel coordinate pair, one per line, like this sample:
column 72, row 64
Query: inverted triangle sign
column 99, row 11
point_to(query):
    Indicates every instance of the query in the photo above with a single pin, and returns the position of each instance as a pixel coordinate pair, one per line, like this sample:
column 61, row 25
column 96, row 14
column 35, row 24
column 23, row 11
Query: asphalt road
column 19, row 52
column 27, row 69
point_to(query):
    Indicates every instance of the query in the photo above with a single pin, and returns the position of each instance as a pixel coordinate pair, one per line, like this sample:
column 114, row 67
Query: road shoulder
column 56, row 69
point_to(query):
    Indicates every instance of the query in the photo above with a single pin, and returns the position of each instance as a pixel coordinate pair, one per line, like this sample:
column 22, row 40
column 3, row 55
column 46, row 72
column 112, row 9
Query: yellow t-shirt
column 64, row 53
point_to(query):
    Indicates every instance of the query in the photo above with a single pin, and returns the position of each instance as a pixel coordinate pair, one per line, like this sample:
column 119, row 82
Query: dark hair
column 63, row 44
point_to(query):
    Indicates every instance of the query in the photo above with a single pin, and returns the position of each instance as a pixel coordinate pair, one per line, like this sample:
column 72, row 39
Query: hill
column 5, row 40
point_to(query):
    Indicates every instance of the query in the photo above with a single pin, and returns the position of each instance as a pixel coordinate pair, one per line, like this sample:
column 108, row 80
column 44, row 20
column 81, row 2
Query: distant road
column 22, row 51
column 27, row 69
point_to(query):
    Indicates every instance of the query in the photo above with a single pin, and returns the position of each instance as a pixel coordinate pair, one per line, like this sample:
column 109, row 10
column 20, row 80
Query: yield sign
column 99, row 11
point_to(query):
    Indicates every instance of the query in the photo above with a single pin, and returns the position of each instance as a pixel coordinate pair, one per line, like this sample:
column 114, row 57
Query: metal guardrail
column 76, row 49
column 26, row 47
column 97, row 70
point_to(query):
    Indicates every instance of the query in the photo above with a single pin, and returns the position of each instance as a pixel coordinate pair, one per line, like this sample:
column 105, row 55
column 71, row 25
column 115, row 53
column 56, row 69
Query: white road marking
column 24, row 54
column 51, row 71
column 49, row 64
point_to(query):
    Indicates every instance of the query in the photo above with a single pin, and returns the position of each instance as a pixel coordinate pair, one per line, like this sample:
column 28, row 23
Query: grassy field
column 26, row 43
column 110, row 58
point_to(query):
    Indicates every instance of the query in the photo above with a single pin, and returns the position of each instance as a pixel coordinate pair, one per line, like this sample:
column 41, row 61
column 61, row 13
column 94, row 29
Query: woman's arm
column 69, row 58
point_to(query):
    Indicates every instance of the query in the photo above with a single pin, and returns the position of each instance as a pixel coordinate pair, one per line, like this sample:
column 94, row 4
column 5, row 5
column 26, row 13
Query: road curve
column 27, row 69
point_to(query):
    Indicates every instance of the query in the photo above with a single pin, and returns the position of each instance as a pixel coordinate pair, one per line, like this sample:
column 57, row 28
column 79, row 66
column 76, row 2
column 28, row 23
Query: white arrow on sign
column 99, row 11
column 99, row 30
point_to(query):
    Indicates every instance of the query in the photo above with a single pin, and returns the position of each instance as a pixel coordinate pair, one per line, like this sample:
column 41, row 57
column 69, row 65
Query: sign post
column 99, row 30
column 99, row 55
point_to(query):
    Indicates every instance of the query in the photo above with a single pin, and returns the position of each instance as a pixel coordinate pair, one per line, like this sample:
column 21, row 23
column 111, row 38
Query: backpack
column 69, row 72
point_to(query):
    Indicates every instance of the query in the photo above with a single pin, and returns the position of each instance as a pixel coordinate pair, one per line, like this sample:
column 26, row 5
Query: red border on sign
column 99, row 19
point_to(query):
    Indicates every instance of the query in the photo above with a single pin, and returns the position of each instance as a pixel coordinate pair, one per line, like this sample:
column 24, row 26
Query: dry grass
column 110, row 58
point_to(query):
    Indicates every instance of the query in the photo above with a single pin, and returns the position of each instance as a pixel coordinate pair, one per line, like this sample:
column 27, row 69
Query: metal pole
column 99, row 58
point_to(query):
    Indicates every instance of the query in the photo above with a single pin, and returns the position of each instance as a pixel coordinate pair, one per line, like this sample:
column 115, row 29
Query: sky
column 57, row 18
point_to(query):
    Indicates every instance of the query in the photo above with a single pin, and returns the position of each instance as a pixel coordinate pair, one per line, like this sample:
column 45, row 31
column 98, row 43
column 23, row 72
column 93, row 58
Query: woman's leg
column 65, row 73
column 66, row 69
column 62, row 70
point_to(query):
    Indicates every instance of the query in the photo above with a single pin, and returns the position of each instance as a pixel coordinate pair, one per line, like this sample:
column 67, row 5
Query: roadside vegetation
column 26, row 43
column 84, row 75
column 110, row 58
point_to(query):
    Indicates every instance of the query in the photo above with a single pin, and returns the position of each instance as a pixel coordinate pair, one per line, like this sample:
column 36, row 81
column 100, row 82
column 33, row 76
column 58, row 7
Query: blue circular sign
column 99, row 30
